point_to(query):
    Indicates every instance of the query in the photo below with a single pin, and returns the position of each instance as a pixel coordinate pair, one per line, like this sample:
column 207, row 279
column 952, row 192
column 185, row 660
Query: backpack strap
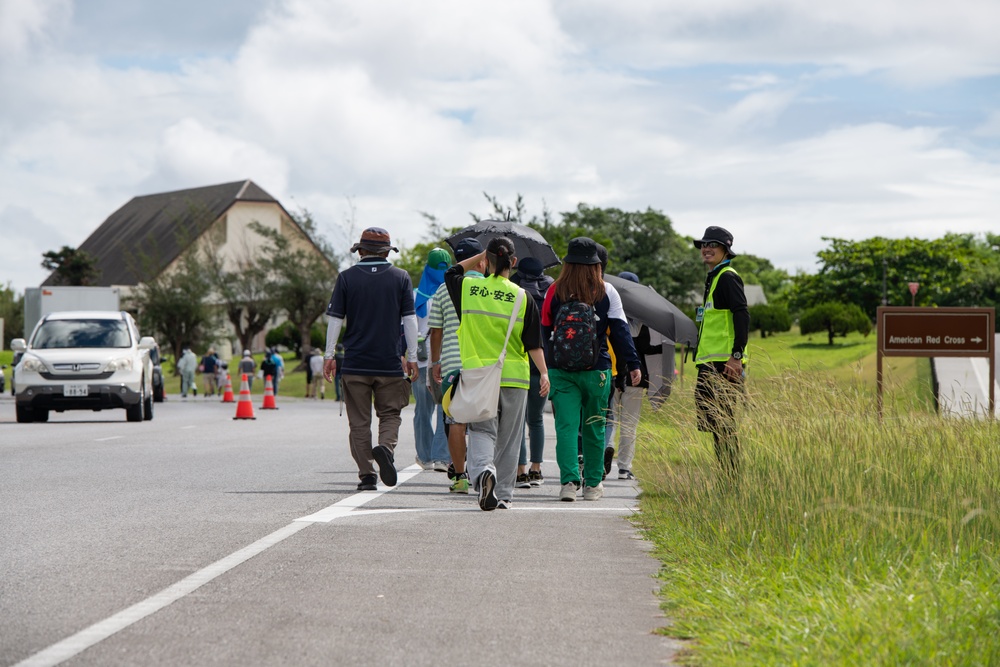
column 510, row 326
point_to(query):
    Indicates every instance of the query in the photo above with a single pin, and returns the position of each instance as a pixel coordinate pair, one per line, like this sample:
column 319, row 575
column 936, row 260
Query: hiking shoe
column 522, row 481
column 503, row 504
column 593, row 492
column 367, row 483
column 461, row 484
column 609, row 454
column 451, row 471
column 440, row 466
column 568, row 492
column 386, row 467
column 535, row 478
column 625, row 474
column 487, row 496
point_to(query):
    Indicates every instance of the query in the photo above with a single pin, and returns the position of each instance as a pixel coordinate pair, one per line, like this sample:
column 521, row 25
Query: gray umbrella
column 643, row 303
column 527, row 241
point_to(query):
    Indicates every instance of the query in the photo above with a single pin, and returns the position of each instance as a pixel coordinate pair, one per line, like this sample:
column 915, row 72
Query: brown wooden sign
column 936, row 332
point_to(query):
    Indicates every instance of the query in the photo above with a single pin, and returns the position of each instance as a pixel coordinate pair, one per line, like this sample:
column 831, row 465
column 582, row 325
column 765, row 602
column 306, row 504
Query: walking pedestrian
column 446, row 360
column 530, row 278
column 317, row 389
column 578, row 318
column 374, row 298
column 209, row 367
column 428, row 417
column 485, row 307
column 187, row 365
column 627, row 398
column 724, row 322
column 248, row 367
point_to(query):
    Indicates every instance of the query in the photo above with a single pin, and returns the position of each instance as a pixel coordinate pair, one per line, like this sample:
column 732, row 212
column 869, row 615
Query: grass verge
column 848, row 540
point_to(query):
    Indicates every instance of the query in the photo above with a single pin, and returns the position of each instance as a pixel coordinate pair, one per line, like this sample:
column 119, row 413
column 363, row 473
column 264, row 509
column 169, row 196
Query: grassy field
column 848, row 541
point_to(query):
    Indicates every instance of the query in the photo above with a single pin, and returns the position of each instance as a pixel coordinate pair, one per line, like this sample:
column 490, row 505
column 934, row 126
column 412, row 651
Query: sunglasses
column 711, row 244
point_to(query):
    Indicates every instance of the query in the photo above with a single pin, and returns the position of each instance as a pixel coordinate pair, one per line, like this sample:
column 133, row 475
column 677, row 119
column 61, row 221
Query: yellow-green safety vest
column 717, row 333
column 487, row 304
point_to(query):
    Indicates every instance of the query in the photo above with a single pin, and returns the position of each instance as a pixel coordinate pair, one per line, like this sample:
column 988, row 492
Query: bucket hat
column 582, row 250
column 718, row 235
column 374, row 239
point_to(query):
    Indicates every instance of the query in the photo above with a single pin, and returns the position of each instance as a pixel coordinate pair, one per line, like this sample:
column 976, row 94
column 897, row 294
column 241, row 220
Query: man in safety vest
column 724, row 323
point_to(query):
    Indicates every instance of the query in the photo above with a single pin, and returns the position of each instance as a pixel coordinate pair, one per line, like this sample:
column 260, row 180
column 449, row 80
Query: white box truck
column 40, row 301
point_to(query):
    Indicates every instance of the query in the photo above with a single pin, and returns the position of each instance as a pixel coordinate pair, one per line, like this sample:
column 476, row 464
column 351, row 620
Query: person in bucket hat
column 375, row 299
column 724, row 327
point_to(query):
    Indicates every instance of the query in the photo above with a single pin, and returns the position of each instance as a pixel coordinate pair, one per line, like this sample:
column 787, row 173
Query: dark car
column 158, row 389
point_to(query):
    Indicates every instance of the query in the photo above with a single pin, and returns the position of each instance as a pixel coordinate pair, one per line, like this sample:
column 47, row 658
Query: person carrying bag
column 498, row 330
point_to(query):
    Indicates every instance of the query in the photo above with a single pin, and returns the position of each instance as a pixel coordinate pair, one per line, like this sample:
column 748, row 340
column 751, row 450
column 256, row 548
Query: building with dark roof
column 147, row 235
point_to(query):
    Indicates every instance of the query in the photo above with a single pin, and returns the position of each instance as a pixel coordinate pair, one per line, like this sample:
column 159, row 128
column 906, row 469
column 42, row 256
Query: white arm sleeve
column 332, row 334
column 410, row 332
column 615, row 311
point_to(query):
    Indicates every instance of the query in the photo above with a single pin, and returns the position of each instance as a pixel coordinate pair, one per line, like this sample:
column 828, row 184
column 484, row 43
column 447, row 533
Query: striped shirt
column 443, row 316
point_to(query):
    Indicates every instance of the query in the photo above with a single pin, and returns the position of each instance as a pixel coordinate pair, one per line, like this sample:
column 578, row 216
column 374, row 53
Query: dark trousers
column 717, row 399
column 389, row 395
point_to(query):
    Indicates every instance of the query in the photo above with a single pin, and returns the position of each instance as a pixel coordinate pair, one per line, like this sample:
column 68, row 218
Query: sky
column 784, row 121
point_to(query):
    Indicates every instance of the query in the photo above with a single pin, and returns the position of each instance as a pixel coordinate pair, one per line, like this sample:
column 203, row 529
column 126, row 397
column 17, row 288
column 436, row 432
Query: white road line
column 98, row 632
column 113, row 437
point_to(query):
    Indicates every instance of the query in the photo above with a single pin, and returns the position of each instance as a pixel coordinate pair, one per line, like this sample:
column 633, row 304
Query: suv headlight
column 33, row 365
column 123, row 364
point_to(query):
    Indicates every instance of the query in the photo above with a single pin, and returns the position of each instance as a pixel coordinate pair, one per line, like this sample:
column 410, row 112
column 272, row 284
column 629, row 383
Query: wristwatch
column 737, row 355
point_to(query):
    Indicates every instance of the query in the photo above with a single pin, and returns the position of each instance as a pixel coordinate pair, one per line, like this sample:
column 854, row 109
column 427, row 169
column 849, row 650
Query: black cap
column 467, row 248
column 719, row 235
column 582, row 250
column 530, row 266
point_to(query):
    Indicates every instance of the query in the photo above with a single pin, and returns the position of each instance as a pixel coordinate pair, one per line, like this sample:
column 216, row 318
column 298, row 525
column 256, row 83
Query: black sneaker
column 451, row 472
column 503, row 504
column 535, row 478
column 386, row 466
column 522, row 481
column 487, row 497
column 609, row 454
column 367, row 483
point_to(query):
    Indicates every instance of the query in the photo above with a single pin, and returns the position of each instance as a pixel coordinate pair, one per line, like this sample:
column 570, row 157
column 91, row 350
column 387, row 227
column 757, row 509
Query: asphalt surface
column 195, row 539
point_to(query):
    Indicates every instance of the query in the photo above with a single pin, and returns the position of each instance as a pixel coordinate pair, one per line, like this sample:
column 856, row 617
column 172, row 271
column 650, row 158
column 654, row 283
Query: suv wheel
column 24, row 415
column 147, row 408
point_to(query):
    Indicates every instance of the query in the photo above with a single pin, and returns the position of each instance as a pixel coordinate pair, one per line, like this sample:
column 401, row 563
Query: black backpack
column 575, row 343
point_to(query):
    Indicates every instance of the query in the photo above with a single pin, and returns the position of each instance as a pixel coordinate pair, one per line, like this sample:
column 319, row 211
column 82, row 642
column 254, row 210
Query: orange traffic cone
column 227, row 396
column 269, row 403
column 244, row 408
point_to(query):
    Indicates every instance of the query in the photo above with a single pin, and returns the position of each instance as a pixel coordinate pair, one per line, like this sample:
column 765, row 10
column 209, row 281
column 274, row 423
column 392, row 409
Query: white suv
column 84, row 360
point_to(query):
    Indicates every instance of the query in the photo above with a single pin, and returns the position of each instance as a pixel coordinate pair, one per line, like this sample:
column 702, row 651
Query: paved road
column 198, row 540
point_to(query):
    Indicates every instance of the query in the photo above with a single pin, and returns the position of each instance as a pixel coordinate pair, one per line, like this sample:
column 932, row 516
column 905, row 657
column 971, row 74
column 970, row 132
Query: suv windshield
column 81, row 333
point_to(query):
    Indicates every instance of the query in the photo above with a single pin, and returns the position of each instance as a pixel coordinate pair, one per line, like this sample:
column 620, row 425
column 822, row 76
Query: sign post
column 936, row 332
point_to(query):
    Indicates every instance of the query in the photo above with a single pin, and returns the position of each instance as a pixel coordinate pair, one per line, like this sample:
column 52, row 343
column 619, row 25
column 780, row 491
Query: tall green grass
column 847, row 541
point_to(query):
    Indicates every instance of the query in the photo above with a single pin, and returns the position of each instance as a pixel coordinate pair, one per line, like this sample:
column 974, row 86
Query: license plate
column 76, row 390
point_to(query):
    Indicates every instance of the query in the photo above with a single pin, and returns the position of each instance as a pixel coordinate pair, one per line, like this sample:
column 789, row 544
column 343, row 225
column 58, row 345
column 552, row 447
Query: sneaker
column 535, row 478
column 386, row 467
column 609, row 454
column 322, row 395
column 423, row 466
column 625, row 474
column 568, row 492
column 451, row 471
column 487, row 496
column 593, row 492
column 461, row 484
column 367, row 483
column 522, row 481
column 440, row 466
column 503, row 504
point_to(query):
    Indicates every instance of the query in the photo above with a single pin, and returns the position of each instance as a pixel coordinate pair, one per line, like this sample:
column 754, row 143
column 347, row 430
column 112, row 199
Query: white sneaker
column 424, row 466
column 593, row 492
column 568, row 492
column 439, row 466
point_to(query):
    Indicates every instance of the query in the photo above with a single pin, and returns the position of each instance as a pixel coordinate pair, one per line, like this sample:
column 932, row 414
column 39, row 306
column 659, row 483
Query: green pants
column 580, row 396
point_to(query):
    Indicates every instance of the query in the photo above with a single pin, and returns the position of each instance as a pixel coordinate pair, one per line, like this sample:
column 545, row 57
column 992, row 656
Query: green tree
column 174, row 305
column 770, row 318
column 836, row 319
column 12, row 314
column 759, row 271
column 71, row 266
column 304, row 279
column 247, row 288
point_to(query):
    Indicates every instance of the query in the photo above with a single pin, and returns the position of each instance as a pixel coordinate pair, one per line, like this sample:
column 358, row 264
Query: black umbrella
column 527, row 241
column 643, row 303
